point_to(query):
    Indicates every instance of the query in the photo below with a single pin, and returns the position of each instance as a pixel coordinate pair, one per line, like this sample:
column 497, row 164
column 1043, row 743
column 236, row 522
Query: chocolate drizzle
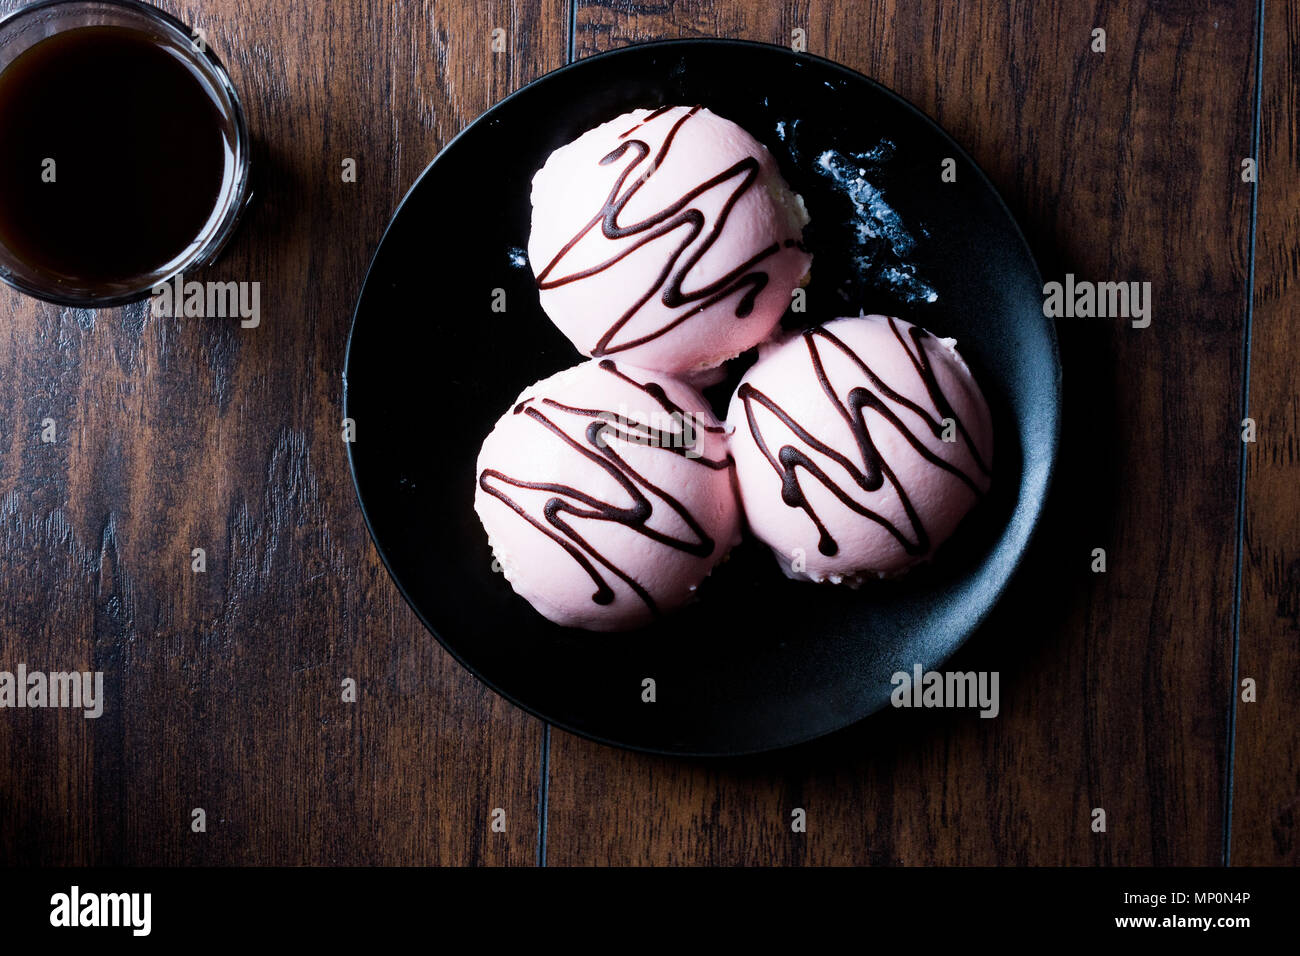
column 675, row 216
column 597, row 445
column 870, row 471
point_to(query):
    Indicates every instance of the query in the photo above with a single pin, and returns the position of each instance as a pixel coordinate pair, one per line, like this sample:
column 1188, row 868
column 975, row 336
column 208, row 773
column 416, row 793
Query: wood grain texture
column 1115, row 687
column 1266, row 791
column 224, row 688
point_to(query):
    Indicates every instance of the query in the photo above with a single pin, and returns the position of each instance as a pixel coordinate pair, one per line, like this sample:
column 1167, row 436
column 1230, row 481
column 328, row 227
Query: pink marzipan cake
column 859, row 445
column 666, row 239
column 607, row 496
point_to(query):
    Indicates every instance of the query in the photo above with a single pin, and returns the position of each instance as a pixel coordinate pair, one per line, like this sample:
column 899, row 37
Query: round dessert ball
column 666, row 239
column 859, row 446
column 607, row 495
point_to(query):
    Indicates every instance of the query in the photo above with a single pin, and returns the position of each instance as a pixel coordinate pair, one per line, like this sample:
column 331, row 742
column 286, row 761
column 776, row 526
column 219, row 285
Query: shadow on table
column 1052, row 584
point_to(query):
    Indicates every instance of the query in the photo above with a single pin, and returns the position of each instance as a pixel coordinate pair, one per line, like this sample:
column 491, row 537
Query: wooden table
column 1120, row 690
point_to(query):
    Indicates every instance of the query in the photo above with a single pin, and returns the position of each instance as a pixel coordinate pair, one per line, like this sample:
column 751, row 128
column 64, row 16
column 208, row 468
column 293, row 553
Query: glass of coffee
column 124, row 152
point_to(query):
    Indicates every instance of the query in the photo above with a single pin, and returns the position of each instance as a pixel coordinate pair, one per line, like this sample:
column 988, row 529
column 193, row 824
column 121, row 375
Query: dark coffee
column 139, row 151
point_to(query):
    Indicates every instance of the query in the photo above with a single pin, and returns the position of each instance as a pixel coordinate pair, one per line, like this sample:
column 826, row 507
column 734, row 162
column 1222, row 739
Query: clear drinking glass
column 25, row 28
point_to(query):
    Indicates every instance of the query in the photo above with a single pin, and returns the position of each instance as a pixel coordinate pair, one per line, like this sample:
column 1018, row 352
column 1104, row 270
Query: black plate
column 759, row 662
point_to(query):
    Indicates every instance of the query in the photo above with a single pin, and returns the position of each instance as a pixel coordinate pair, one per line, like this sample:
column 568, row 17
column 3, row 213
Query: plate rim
column 1048, row 325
